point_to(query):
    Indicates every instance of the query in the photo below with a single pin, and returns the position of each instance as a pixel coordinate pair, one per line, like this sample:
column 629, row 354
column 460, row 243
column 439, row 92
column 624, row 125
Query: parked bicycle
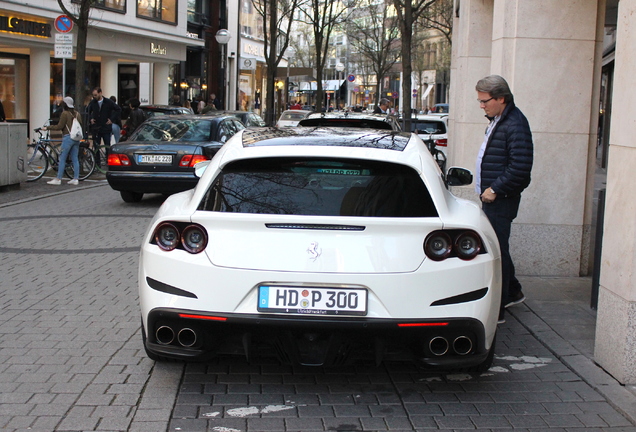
column 438, row 155
column 44, row 153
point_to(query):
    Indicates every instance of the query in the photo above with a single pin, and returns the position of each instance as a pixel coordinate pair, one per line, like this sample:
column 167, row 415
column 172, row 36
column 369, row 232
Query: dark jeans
column 98, row 137
column 501, row 213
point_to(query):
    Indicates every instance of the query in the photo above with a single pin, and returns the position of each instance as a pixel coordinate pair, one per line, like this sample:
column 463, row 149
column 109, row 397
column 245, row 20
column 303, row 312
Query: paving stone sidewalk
column 71, row 357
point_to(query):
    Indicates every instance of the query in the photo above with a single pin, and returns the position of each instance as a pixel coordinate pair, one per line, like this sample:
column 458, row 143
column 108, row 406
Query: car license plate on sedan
column 154, row 159
column 312, row 300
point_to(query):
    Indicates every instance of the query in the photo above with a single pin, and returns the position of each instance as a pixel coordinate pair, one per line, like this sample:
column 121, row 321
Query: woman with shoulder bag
column 68, row 145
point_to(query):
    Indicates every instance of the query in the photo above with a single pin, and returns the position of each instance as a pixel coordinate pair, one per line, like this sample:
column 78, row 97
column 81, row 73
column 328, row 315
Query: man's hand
column 488, row 196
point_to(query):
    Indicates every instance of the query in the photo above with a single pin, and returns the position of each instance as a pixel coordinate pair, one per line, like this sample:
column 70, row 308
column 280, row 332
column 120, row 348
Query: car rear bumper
column 452, row 343
column 151, row 182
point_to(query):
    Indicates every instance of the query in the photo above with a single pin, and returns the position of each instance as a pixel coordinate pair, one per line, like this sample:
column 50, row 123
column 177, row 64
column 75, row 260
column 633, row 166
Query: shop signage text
column 158, row 49
column 253, row 50
column 26, row 27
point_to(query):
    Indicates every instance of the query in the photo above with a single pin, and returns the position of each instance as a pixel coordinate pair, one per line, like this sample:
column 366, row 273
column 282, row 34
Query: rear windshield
column 320, row 187
column 345, row 122
column 293, row 116
column 174, row 129
column 428, row 126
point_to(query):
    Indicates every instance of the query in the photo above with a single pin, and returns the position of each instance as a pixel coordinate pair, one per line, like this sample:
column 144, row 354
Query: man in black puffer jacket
column 504, row 163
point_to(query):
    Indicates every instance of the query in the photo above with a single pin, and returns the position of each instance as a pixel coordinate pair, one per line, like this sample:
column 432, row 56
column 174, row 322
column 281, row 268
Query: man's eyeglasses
column 484, row 101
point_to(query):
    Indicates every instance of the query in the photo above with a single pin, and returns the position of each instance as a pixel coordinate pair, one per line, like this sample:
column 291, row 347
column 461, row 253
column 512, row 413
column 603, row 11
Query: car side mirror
column 457, row 176
column 199, row 168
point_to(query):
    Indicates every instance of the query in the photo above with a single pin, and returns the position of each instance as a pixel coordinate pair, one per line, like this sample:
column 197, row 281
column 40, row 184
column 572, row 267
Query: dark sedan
column 248, row 118
column 161, row 154
column 161, row 110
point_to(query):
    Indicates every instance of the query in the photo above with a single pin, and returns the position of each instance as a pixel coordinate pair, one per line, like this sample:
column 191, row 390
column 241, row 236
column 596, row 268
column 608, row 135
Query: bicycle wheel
column 440, row 158
column 37, row 162
column 101, row 155
column 86, row 163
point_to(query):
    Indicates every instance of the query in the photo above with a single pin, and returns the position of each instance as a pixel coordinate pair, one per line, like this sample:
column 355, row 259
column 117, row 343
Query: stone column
column 40, row 87
column 546, row 52
column 615, row 348
column 472, row 45
column 160, row 83
column 110, row 73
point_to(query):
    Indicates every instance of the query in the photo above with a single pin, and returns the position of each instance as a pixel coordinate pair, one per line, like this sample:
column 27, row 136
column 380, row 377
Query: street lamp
column 223, row 36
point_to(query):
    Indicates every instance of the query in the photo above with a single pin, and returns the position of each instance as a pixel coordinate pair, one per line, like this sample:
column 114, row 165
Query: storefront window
column 162, row 10
column 114, row 5
column 13, row 87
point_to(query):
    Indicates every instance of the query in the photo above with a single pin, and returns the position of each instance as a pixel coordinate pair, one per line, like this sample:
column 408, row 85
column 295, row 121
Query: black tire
column 131, row 197
column 86, row 164
column 37, row 163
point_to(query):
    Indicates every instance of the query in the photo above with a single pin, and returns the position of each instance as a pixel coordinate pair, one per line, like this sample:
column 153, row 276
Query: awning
column 332, row 85
column 308, row 86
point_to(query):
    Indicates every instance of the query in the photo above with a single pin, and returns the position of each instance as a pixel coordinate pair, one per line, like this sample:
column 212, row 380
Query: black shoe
column 515, row 299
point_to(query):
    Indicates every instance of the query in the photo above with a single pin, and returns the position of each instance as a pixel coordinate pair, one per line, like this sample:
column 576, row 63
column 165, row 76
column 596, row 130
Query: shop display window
column 114, row 5
column 162, row 10
column 14, row 87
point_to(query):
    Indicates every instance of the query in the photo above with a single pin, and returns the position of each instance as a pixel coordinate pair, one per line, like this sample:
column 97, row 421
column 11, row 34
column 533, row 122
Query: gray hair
column 384, row 101
column 496, row 86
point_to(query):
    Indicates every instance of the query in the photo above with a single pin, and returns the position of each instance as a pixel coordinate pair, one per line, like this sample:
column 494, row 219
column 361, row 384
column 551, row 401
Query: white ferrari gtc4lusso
column 322, row 245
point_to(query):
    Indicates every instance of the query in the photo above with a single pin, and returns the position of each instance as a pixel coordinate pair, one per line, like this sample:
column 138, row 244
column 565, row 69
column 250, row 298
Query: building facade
column 131, row 46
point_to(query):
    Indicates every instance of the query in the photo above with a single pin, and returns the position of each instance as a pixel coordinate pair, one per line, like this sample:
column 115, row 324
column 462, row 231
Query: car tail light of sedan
column 462, row 244
column 443, row 142
column 118, row 160
column 192, row 238
column 192, row 160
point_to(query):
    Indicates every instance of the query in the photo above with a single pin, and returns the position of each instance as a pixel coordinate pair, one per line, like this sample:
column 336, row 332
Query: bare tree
column 408, row 12
column 277, row 18
column 374, row 33
column 81, row 20
column 440, row 17
column 323, row 16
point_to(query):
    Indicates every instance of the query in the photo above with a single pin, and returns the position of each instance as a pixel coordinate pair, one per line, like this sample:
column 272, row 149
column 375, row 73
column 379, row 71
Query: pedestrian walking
column 135, row 118
column 102, row 113
column 383, row 107
column 116, row 122
column 68, row 145
column 503, row 170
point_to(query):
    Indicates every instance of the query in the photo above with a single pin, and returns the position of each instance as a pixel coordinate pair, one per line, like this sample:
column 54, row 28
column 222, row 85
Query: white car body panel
column 386, row 258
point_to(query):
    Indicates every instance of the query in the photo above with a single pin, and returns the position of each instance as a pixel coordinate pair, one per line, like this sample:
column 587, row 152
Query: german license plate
column 154, row 159
column 312, row 300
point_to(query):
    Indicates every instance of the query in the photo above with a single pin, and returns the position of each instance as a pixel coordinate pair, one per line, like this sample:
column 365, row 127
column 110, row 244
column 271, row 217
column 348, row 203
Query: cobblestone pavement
column 71, row 357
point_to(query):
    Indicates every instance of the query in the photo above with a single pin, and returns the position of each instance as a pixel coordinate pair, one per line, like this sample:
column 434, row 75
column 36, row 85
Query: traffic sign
column 351, row 78
column 63, row 38
column 63, row 24
column 414, row 92
column 394, row 95
column 63, row 51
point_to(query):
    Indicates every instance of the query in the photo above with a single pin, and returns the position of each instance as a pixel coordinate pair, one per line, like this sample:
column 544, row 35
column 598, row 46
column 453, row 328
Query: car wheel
column 131, row 197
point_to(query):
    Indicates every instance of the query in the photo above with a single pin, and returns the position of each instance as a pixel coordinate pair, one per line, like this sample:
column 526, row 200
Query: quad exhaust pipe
column 439, row 345
column 186, row 337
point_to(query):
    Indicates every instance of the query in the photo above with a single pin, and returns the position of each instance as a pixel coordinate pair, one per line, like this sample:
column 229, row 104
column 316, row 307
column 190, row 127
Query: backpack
column 76, row 132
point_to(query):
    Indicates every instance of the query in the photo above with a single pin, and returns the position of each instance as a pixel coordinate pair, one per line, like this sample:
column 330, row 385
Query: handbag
column 76, row 132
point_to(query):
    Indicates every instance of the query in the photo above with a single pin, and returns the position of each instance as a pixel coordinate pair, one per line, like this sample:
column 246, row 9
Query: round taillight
column 167, row 236
column 194, row 239
column 438, row 246
column 467, row 245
